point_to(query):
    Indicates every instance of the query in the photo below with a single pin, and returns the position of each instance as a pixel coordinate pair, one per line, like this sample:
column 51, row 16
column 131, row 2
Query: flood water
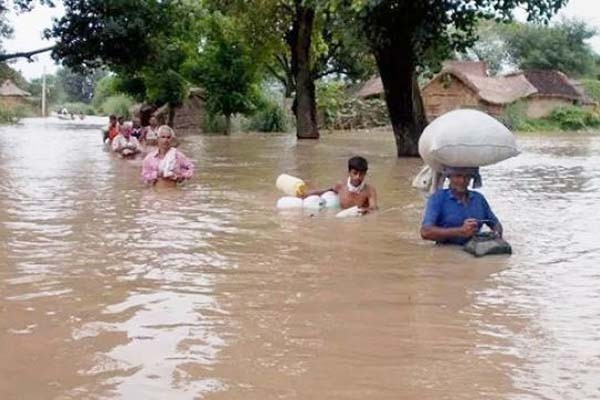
column 109, row 290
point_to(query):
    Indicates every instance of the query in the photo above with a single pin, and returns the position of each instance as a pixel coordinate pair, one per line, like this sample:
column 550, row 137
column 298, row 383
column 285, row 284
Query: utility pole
column 44, row 92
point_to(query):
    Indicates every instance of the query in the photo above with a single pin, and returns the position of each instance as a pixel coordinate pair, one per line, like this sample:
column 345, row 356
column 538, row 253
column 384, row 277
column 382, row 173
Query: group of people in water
column 163, row 165
column 452, row 215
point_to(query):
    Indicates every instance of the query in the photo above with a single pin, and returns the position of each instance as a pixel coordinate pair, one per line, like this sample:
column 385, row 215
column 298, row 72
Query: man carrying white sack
column 455, row 214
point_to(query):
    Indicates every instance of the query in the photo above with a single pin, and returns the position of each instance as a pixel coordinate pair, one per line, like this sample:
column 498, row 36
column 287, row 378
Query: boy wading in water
column 355, row 192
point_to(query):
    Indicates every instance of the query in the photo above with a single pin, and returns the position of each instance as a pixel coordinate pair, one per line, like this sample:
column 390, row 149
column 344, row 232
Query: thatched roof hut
column 9, row 89
column 466, row 84
column 498, row 90
column 189, row 117
column 556, row 84
column 371, row 88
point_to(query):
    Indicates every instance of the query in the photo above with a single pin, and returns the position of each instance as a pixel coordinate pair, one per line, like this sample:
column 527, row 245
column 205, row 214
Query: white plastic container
column 288, row 202
column 291, row 185
column 330, row 199
column 349, row 212
column 313, row 202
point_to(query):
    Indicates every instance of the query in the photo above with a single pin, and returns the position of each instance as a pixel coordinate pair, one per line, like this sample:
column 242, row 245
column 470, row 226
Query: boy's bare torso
column 349, row 199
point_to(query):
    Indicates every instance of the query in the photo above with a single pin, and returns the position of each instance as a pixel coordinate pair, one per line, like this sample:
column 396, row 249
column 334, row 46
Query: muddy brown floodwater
column 109, row 290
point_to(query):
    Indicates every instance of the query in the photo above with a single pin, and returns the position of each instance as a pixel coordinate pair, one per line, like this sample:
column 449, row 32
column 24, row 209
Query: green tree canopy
column 561, row 46
column 403, row 33
column 123, row 35
column 79, row 86
column 491, row 47
column 299, row 42
column 6, row 72
column 225, row 69
column 144, row 41
column 105, row 88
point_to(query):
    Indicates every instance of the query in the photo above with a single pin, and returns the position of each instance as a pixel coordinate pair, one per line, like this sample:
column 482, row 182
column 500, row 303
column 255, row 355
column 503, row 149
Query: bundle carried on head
column 461, row 138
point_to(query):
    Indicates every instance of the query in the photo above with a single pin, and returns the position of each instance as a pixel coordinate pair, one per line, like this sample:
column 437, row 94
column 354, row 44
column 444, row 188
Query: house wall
column 540, row 107
column 190, row 116
column 447, row 94
column 12, row 101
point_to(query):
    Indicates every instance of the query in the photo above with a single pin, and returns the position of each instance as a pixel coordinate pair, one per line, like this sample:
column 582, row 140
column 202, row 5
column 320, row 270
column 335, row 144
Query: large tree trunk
column 402, row 96
column 305, row 104
column 227, row 124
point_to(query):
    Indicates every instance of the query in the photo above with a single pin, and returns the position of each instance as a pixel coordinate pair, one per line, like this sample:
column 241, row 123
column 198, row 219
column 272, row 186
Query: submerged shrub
column 12, row 114
column 538, row 125
column 338, row 109
column 271, row 117
column 574, row 118
column 212, row 123
column 514, row 116
column 592, row 88
column 331, row 96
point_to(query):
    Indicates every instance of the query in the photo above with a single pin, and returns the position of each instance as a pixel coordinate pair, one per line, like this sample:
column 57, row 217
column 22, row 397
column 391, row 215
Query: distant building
column 466, row 84
column 11, row 94
column 554, row 89
column 371, row 88
column 189, row 116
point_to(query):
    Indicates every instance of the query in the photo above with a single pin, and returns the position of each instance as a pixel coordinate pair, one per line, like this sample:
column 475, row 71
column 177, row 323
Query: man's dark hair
column 112, row 116
column 358, row 163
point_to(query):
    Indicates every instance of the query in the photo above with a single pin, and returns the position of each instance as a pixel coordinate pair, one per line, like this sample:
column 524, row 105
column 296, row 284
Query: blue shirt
column 446, row 211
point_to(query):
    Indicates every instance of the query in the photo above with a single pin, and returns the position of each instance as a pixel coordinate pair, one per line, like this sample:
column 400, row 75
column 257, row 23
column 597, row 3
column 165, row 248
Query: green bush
column 105, row 88
column 574, row 118
column 592, row 88
column 118, row 105
column 12, row 114
column 271, row 117
column 538, row 125
column 9, row 116
column 515, row 116
column 570, row 118
column 341, row 110
column 357, row 113
column 331, row 96
column 213, row 123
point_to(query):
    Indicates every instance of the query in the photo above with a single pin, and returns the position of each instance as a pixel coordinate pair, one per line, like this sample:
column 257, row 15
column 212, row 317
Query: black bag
column 485, row 243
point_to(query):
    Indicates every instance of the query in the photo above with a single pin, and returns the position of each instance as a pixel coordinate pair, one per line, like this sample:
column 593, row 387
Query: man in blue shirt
column 455, row 214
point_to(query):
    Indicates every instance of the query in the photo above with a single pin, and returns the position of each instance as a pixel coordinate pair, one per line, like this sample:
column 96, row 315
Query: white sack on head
column 461, row 138
column 466, row 138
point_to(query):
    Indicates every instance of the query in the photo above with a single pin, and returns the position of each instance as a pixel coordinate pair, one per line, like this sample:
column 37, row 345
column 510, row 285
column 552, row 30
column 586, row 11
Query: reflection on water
column 112, row 290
